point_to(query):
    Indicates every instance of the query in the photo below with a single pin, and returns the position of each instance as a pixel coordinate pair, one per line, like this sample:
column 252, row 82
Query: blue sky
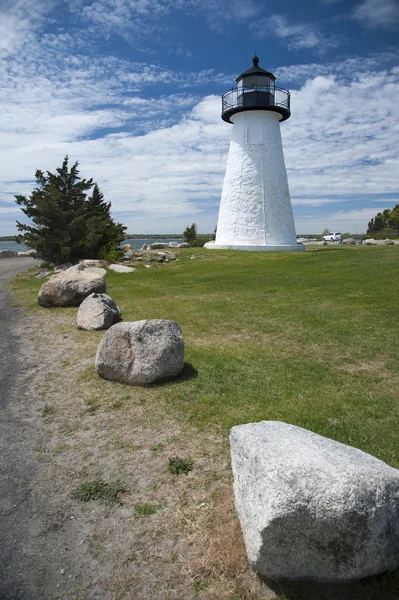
column 131, row 89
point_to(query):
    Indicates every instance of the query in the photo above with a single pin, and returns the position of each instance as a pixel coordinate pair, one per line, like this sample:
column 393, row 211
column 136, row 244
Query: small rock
column 8, row 254
column 183, row 245
column 121, row 269
column 94, row 262
column 127, row 247
column 97, row 311
column 158, row 245
column 62, row 267
column 42, row 274
column 98, row 270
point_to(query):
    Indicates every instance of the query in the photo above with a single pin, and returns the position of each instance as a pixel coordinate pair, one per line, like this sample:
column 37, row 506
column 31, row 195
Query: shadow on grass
column 380, row 587
column 188, row 372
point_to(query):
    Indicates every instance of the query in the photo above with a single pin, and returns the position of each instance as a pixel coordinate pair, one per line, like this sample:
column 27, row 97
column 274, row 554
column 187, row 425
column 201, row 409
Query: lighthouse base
column 263, row 248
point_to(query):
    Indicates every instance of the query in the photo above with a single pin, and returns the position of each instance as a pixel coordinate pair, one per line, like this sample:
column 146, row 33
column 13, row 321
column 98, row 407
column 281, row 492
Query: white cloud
column 377, row 14
column 348, row 70
column 137, row 21
column 298, row 36
column 19, row 21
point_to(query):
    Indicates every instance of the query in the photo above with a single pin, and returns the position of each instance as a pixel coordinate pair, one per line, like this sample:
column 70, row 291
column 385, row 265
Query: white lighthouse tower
column 255, row 210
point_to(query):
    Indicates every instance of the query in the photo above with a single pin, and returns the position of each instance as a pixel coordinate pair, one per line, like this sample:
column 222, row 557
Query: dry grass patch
column 372, row 366
column 219, row 554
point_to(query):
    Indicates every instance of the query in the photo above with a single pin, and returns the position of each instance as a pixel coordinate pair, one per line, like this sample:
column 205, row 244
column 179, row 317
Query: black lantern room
column 256, row 90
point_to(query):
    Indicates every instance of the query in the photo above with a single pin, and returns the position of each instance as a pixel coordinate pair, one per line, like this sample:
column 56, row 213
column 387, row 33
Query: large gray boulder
column 97, row 311
column 141, row 352
column 8, row 254
column 349, row 242
column 370, row 242
column 70, row 288
column 312, row 508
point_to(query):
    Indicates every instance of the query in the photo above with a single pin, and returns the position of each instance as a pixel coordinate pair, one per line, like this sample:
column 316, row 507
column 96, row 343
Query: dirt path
column 18, row 467
column 36, row 562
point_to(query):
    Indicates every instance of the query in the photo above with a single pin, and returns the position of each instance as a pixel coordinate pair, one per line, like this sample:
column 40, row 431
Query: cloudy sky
column 131, row 89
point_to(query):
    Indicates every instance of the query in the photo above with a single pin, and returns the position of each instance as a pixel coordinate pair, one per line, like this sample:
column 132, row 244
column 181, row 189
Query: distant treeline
column 8, row 238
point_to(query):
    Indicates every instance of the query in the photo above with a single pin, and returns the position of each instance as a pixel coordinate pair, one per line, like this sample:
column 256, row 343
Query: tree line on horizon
column 385, row 223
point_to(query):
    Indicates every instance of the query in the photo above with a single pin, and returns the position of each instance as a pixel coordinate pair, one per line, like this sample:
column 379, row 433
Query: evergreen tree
column 102, row 233
column 65, row 225
column 190, row 234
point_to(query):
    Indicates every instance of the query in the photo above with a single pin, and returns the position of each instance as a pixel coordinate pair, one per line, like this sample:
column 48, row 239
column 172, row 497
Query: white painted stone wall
column 255, row 210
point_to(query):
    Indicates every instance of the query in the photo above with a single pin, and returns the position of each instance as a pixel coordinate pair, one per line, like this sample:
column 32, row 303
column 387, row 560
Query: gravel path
column 17, row 467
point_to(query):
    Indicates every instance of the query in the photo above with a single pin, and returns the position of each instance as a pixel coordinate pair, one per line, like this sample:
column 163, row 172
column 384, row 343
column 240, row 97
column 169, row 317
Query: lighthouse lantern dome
column 256, row 90
column 255, row 76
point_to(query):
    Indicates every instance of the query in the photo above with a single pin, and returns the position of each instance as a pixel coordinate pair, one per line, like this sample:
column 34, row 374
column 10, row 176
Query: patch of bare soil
column 171, row 537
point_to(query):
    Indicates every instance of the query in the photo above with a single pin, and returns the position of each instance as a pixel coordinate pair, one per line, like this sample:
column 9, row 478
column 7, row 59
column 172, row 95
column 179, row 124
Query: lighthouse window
column 257, row 82
column 250, row 81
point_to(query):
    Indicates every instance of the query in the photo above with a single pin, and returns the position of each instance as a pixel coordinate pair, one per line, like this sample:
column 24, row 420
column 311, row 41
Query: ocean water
column 135, row 244
column 13, row 246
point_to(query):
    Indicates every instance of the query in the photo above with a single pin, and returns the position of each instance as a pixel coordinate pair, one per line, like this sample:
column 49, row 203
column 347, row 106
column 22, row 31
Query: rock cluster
column 141, row 352
column 312, row 508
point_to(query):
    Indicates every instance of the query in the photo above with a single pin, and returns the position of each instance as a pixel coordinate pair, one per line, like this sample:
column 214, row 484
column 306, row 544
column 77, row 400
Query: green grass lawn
column 307, row 338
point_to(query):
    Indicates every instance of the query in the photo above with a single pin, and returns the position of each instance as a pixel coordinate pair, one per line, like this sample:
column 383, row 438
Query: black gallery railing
column 267, row 97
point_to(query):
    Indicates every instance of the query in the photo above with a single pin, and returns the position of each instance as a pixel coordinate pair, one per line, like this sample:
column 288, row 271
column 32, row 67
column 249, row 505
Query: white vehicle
column 332, row 237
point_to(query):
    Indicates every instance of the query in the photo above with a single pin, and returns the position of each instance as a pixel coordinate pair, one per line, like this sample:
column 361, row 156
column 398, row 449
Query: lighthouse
column 255, row 209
